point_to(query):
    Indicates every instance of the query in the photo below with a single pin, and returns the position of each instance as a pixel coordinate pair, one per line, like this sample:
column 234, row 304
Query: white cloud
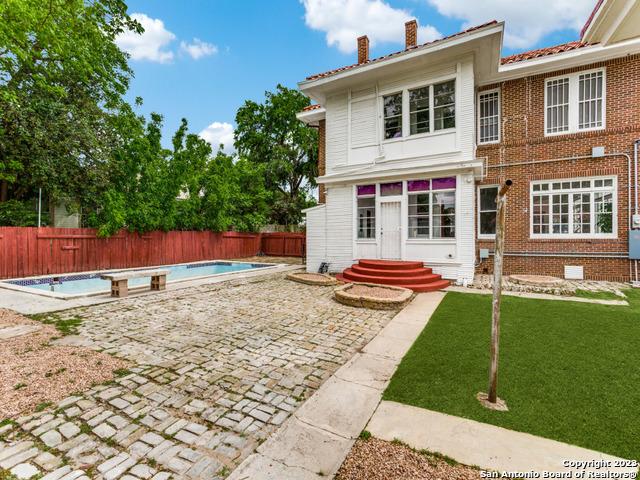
column 526, row 21
column 151, row 45
column 198, row 49
column 345, row 20
column 219, row 133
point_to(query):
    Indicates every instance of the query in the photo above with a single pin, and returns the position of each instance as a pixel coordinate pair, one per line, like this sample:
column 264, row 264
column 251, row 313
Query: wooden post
column 497, row 290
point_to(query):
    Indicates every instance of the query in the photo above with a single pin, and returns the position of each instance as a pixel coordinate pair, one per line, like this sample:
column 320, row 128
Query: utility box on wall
column 634, row 244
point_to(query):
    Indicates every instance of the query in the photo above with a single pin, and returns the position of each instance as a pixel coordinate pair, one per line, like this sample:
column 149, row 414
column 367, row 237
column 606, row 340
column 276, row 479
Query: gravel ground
column 376, row 292
column 375, row 459
column 33, row 372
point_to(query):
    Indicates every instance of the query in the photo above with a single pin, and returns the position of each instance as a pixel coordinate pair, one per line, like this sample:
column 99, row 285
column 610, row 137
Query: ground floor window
column 432, row 208
column 366, row 198
column 487, row 210
column 579, row 207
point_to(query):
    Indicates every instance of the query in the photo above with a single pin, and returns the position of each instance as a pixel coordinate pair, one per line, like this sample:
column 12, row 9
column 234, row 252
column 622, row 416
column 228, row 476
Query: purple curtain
column 418, row 185
column 443, row 183
column 366, row 190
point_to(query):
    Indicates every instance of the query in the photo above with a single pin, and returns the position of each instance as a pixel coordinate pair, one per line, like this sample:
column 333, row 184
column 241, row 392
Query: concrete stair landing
column 412, row 275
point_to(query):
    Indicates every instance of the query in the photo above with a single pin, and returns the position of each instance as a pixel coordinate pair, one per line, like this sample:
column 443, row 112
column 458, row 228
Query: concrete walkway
column 315, row 440
column 481, row 444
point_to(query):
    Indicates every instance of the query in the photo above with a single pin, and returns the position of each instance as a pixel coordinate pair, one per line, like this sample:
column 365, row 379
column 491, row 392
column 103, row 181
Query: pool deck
column 33, row 303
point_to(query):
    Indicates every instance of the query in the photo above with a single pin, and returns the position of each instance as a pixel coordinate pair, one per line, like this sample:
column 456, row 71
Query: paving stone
column 17, row 448
column 47, row 461
column 139, row 449
column 142, row 471
column 196, row 428
column 17, row 331
column 186, row 437
column 152, row 438
column 119, row 469
column 57, row 474
column 113, row 462
column 104, row 431
column 19, row 457
column 69, row 430
column 25, row 470
column 118, row 421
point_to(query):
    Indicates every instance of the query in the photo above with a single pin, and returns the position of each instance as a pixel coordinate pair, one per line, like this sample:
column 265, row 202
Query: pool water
column 92, row 283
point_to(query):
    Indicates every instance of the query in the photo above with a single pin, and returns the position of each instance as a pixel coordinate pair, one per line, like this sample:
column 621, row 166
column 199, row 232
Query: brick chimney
column 363, row 49
column 411, row 33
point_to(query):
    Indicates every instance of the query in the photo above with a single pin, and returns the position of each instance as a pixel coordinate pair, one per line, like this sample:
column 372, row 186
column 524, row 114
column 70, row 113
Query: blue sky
column 201, row 59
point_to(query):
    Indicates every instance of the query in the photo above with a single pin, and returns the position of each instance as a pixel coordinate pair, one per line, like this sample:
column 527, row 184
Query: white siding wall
column 337, row 131
column 316, row 237
column 354, row 139
column 339, row 210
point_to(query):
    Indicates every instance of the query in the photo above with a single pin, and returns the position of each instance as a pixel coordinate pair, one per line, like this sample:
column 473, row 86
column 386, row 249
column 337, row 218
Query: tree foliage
column 65, row 127
column 61, row 74
column 183, row 188
column 269, row 133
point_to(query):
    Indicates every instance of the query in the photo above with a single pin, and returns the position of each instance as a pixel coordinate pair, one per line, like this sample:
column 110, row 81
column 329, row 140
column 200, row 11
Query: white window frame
column 406, row 118
column 485, row 236
column 487, row 92
column 430, row 192
column 574, row 83
column 570, row 192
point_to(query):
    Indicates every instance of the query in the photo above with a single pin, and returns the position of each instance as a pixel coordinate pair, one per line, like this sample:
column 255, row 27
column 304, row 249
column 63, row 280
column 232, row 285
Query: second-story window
column 489, row 117
column 444, row 105
column 590, row 100
column 393, row 115
column 575, row 102
column 419, row 110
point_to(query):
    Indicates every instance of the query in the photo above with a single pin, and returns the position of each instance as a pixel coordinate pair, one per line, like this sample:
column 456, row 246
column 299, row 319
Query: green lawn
column 568, row 371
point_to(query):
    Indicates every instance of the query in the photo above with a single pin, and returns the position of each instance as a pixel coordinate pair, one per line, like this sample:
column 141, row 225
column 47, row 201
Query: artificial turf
column 568, row 371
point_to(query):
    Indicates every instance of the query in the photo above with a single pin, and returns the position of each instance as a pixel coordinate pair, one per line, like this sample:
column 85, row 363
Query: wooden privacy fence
column 26, row 251
column 284, row 244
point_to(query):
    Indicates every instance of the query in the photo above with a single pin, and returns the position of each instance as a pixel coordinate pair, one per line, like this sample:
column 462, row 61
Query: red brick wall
column 523, row 140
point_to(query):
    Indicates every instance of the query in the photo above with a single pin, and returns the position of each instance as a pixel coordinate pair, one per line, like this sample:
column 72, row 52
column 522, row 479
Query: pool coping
column 70, row 296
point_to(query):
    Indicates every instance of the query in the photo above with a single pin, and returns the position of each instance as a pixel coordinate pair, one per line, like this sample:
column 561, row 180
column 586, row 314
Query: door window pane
column 367, row 217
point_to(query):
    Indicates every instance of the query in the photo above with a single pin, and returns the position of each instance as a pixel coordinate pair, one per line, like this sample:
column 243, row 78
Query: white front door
column 390, row 230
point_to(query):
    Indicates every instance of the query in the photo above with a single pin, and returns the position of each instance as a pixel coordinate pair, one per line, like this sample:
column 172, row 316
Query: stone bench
column 120, row 280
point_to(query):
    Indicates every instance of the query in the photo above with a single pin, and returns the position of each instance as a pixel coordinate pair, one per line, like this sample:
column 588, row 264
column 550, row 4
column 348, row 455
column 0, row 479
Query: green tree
column 270, row 134
column 60, row 73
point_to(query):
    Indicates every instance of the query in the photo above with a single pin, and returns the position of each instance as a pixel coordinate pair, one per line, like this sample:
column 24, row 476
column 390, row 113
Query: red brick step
column 412, row 274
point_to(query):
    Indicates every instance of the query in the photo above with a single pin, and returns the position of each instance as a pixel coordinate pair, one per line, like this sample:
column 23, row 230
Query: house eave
column 561, row 61
column 311, row 117
column 314, row 88
column 368, row 173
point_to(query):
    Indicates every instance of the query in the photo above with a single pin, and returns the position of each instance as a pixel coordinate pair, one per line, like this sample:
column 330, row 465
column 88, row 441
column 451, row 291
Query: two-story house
column 414, row 144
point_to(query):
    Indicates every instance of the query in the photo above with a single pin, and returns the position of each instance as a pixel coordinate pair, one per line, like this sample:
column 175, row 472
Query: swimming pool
column 90, row 283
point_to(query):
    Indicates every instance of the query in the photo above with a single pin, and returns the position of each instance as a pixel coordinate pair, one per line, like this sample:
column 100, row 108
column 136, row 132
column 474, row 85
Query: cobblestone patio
column 218, row 369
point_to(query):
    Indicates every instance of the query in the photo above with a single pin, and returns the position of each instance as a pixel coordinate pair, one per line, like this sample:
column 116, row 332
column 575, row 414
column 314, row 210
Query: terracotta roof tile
column 543, row 52
column 591, row 17
column 384, row 57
